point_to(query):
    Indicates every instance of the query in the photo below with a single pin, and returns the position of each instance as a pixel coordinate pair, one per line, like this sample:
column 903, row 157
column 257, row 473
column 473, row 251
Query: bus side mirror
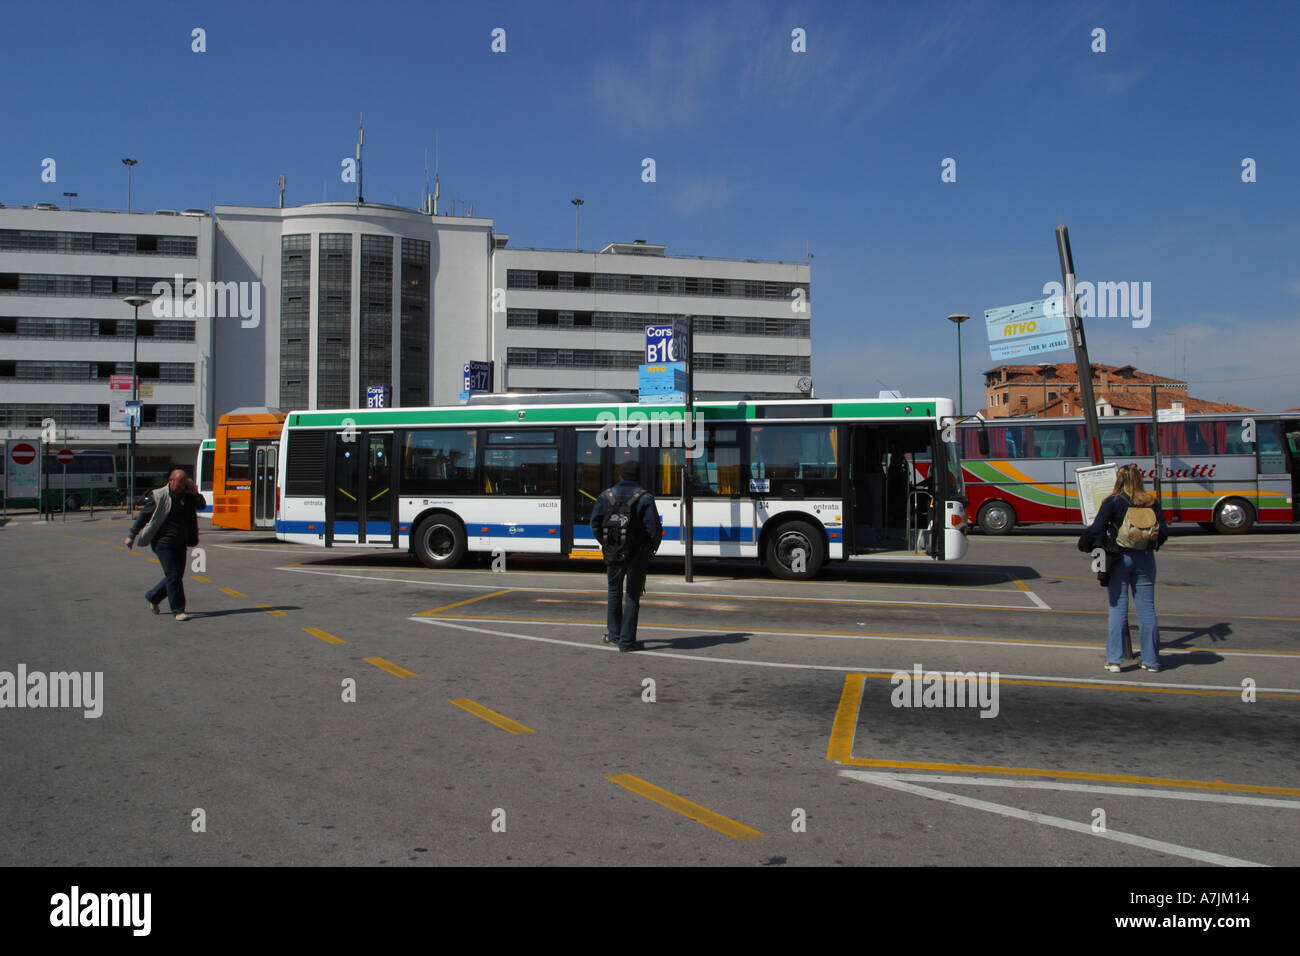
column 984, row 443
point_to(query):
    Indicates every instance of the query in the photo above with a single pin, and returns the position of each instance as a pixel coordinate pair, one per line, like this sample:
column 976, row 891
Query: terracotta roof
column 1069, row 372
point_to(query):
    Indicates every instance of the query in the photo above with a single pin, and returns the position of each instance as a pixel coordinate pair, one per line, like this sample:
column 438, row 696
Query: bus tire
column 439, row 541
column 782, row 543
column 72, row 504
column 997, row 517
column 1234, row 516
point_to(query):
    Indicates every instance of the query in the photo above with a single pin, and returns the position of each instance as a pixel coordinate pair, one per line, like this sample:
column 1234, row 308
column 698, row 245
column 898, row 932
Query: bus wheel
column 72, row 504
column 1234, row 516
column 997, row 517
column 783, row 547
column 439, row 542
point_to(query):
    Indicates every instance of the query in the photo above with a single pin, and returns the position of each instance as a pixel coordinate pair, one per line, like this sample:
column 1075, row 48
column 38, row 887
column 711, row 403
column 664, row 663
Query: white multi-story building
column 577, row 319
column 65, row 329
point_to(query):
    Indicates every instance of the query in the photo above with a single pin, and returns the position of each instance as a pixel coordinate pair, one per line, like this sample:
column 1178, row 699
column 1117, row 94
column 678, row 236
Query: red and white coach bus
column 1223, row 471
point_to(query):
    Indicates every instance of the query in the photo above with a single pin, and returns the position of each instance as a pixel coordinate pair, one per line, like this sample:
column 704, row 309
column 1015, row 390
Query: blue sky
column 759, row 151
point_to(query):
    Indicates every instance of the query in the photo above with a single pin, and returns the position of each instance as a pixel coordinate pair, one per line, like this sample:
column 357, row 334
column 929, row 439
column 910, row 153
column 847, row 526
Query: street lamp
column 135, row 301
column 958, row 319
column 577, row 215
column 72, row 196
column 129, row 163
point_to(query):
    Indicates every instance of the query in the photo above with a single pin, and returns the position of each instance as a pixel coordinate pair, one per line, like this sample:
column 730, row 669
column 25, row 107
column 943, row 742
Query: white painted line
column 656, row 593
column 447, row 622
column 1037, row 600
column 1018, row 784
column 1158, row 846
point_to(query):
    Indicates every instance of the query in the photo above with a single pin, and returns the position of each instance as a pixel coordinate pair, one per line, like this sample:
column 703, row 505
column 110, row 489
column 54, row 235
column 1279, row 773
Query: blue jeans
column 1135, row 571
column 173, row 565
column 620, row 619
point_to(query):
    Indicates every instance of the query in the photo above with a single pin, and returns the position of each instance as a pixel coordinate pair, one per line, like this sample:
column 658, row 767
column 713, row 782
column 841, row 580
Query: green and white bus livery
column 794, row 483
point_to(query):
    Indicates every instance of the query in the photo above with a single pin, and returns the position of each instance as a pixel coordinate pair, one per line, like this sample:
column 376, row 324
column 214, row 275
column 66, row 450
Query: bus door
column 266, row 456
column 582, row 485
column 361, row 501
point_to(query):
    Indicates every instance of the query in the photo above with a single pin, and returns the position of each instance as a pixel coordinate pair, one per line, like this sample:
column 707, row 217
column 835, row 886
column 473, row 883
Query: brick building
column 1051, row 390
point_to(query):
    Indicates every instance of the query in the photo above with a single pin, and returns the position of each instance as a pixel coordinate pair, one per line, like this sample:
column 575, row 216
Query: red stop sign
column 23, row 454
column 64, row 456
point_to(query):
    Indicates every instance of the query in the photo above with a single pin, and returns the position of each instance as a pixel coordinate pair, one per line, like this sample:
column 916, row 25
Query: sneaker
column 1153, row 668
column 182, row 616
column 153, row 607
column 1113, row 668
column 634, row 646
column 607, row 640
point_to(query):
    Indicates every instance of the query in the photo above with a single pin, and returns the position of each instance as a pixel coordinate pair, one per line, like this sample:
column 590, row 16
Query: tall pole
column 135, row 301
column 129, row 163
column 577, row 221
column 1074, row 323
column 958, row 319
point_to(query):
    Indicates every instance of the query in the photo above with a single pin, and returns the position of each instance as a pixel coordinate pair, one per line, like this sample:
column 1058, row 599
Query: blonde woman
column 1133, row 569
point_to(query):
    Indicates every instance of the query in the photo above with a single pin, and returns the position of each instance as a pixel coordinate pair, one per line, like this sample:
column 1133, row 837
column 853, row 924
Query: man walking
column 170, row 519
column 626, row 523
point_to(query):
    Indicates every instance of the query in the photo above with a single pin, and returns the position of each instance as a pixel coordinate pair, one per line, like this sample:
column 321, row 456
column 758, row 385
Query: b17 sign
column 1027, row 329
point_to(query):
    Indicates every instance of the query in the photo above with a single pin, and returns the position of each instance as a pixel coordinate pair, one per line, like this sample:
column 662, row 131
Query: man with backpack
column 1132, row 518
column 626, row 523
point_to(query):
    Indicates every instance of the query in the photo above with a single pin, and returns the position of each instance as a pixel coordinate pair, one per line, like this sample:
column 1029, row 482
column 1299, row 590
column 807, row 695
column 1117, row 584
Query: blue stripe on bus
column 703, row 533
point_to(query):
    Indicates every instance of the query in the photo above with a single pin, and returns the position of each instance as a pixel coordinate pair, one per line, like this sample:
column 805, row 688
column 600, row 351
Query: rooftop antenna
column 424, row 197
column 281, row 184
column 436, row 189
column 361, row 139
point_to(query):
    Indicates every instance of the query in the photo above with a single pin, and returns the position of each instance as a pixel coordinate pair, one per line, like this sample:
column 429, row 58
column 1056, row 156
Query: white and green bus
column 90, row 478
column 203, row 461
column 793, row 483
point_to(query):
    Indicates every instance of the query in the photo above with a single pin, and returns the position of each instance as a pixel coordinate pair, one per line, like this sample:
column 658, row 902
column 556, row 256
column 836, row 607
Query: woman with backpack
column 1131, row 518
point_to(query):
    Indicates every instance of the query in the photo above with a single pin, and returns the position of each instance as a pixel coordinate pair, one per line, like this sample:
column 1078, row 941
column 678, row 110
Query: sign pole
column 688, row 428
column 1155, row 440
column 1074, row 322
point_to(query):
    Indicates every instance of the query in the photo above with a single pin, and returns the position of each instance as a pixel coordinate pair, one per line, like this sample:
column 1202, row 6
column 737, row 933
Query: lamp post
column 958, row 319
column 72, row 196
column 577, row 216
column 129, row 163
column 135, row 301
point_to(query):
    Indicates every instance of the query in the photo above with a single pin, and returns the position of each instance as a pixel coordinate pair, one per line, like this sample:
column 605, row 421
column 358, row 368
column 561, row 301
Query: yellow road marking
column 1096, row 645
column 491, row 716
column 665, row 798
column 839, row 750
column 155, row 561
column 199, row 577
column 389, row 666
column 325, row 636
column 270, row 610
column 232, row 592
column 840, row 747
column 448, row 607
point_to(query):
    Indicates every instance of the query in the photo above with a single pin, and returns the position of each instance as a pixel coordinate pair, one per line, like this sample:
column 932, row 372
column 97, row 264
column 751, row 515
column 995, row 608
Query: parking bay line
column 491, row 716
column 853, row 635
column 1084, row 683
column 698, row 594
column 1158, row 846
column 448, row 607
column 325, row 636
column 844, row 729
column 666, row 798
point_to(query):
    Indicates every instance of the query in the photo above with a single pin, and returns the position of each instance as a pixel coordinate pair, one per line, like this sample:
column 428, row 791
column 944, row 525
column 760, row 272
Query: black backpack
column 618, row 532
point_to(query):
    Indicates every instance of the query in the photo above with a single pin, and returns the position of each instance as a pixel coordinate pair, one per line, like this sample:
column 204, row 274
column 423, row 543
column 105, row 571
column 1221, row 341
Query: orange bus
column 243, row 473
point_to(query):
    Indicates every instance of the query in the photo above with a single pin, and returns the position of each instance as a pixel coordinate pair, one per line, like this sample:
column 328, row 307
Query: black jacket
column 1107, row 523
column 157, row 510
column 645, row 511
